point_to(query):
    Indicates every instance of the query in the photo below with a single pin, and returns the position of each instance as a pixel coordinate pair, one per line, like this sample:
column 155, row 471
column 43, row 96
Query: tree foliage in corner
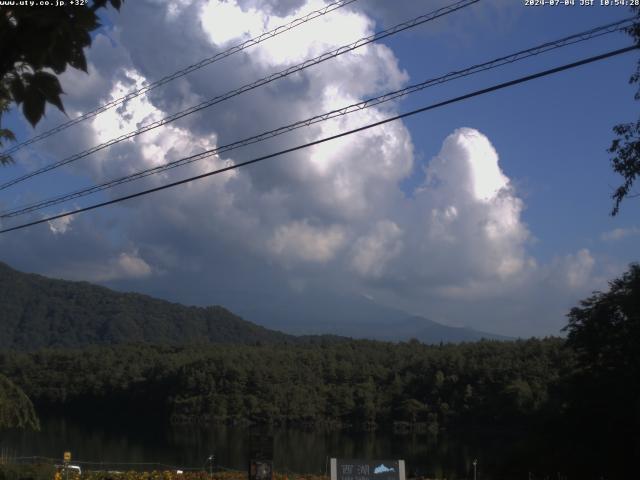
column 44, row 41
column 626, row 147
column 605, row 329
column 604, row 332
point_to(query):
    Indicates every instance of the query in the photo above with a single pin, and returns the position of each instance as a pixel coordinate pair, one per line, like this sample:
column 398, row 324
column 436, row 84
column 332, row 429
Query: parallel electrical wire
column 333, row 137
column 258, row 83
column 498, row 62
column 185, row 71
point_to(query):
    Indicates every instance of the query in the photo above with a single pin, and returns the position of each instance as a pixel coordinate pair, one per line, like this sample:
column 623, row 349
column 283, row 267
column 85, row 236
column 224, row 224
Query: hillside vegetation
column 16, row 410
column 39, row 312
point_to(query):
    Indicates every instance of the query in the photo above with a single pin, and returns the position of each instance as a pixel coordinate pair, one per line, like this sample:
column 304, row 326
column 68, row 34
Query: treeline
column 356, row 384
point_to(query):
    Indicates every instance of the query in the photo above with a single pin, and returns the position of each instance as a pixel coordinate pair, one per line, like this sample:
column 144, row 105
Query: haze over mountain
column 40, row 312
column 350, row 316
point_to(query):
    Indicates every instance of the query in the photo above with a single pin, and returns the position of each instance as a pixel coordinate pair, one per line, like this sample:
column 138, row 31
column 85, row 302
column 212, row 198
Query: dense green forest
column 358, row 384
column 38, row 312
column 16, row 410
column 517, row 391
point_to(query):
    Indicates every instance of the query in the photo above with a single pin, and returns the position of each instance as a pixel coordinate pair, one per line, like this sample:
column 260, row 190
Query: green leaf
column 85, row 19
column 17, row 90
column 58, row 59
column 49, row 87
column 33, row 106
column 5, row 159
column 78, row 60
column 7, row 135
column 60, row 52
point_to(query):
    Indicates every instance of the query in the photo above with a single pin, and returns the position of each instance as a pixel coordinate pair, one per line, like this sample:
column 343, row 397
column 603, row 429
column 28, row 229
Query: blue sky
column 552, row 133
column 331, row 222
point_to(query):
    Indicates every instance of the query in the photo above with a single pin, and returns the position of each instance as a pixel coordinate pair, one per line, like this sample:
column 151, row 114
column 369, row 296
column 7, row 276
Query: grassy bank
column 49, row 472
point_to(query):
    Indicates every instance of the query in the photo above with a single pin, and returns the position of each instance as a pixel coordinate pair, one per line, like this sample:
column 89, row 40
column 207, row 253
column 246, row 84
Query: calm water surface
column 126, row 447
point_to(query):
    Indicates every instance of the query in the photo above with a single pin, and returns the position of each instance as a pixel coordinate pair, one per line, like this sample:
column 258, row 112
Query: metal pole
column 475, row 462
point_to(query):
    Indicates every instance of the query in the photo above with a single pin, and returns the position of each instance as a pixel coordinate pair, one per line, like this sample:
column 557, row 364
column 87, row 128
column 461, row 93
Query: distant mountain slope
column 37, row 312
column 351, row 316
column 427, row 331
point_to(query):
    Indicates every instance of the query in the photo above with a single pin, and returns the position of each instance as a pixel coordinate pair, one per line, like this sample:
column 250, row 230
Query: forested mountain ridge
column 39, row 312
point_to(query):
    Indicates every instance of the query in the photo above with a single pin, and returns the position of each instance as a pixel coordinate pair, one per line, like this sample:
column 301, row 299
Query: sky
column 492, row 213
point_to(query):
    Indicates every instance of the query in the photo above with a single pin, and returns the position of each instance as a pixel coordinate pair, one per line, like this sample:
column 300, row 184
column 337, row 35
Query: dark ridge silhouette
column 39, row 312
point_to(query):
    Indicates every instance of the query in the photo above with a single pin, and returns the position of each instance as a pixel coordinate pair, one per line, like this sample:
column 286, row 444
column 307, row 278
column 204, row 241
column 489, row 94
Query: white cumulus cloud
column 333, row 216
column 298, row 240
column 60, row 226
column 374, row 250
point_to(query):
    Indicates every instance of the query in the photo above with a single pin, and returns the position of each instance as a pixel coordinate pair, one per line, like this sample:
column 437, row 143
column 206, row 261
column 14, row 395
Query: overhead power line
column 498, row 62
column 185, row 71
column 258, row 83
column 333, row 137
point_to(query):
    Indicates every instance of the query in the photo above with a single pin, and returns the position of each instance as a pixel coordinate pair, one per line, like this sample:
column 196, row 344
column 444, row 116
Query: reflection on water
column 125, row 446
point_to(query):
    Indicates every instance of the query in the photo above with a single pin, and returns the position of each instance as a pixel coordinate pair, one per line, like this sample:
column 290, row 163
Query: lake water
column 128, row 447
